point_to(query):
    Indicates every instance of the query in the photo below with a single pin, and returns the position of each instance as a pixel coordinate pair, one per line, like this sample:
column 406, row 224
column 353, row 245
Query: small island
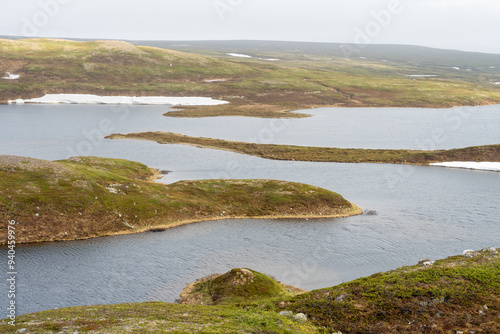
column 87, row 197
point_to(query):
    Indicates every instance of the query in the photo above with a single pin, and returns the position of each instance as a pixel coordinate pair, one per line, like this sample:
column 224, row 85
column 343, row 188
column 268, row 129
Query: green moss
column 239, row 286
column 411, row 299
column 157, row 318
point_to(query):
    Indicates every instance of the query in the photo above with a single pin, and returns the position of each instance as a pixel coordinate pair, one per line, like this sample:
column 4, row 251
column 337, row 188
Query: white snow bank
column 421, row 75
column 95, row 99
column 11, row 76
column 239, row 55
column 247, row 56
column 215, row 80
column 455, row 67
column 491, row 166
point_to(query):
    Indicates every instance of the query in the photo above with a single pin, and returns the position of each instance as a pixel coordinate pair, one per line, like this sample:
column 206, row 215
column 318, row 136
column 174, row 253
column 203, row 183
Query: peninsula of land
column 487, row 153
column 86, row 197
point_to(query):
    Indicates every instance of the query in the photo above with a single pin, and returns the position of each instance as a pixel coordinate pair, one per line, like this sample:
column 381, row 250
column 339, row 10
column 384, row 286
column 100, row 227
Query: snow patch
column 457, row 68
column 215, row 80
column 11, row 76
column 421, row 75
column 489, row 166
column 238, row 55
column 95, row 99
column 247, row 56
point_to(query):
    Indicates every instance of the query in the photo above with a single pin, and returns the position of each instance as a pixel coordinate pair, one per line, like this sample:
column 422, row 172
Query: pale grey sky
column 470, row 25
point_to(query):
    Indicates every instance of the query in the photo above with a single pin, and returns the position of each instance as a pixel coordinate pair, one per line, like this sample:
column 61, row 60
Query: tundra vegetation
column 87, row 197
column 255, row 87
column 457, row 294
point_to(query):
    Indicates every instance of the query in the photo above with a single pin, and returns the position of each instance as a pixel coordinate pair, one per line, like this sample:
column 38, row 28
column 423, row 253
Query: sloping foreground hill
column 457, row 294
column 87, row 197
column 460, row 294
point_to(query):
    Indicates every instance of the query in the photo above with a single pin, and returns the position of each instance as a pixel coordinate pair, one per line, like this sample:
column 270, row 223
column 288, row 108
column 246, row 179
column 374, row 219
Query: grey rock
column 340, row 298
column 287, row 313
column 438, row 300
column 22, row 330
column 468, row 253
column 300, row 317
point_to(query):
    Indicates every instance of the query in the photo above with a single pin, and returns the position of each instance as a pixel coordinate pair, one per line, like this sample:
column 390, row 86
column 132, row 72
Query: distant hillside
column 279, row 76
column 469, row 66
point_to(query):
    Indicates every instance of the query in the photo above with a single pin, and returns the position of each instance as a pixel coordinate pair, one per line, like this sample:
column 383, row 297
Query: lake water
column 423, row 211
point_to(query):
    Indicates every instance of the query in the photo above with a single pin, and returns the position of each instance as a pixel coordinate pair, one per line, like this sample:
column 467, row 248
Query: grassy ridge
column 254, row 87
column 88, row 197
column 323, row 154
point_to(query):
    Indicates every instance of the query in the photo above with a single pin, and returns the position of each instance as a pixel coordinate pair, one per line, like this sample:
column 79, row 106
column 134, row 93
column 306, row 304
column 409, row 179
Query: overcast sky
column 471, row 25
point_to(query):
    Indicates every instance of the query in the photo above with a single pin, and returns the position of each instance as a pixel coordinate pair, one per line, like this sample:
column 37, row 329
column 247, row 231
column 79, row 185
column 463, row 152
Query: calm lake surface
column 422, row 211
